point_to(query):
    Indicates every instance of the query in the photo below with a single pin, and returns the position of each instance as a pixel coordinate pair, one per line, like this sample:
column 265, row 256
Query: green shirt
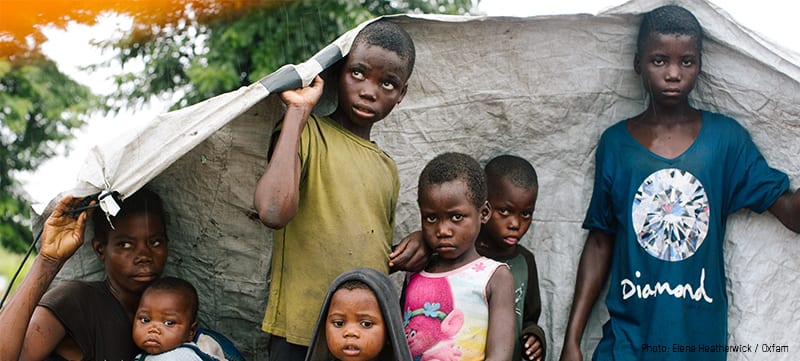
column 527, row 300
column 348, row 195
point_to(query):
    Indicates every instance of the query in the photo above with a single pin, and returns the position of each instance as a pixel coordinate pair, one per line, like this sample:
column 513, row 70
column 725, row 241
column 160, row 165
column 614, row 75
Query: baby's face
column 163, row 321
column 355, row 330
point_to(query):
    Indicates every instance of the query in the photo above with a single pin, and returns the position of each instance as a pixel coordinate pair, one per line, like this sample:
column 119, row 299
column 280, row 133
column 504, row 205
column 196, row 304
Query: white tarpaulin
column 543, row 88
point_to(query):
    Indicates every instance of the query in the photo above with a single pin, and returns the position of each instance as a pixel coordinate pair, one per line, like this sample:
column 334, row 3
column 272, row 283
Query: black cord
column 83, row 205
column 24, row 259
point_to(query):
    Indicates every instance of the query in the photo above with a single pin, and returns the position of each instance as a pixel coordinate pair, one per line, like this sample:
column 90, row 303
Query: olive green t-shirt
column 345, row 219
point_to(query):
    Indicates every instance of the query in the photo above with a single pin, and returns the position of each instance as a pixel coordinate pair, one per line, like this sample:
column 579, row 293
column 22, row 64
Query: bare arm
column 592, row 273
column 277, row 192
column 787, row 209
column 28, row 333
column 534, row 342
column 502, row 320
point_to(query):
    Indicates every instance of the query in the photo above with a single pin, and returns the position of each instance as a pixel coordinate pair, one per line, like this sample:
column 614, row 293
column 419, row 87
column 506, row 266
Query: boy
column 360, row 320
column 461, row 307
column 513, row 187
column 79, row 320
column 665, row 182
column 328, row 191
column 166, row 321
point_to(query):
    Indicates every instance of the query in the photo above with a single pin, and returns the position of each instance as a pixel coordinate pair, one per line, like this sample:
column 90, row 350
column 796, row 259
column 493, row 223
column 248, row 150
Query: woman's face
column 135, row 252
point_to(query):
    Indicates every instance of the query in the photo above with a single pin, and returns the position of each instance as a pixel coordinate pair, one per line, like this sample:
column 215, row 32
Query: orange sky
column 23, row 19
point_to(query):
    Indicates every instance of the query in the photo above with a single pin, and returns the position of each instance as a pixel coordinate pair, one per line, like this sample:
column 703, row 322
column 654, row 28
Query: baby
column 166, row 322
column 360, row 320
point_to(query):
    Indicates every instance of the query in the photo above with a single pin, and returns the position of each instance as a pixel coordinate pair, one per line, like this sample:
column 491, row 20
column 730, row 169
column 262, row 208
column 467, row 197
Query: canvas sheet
column 543, row 88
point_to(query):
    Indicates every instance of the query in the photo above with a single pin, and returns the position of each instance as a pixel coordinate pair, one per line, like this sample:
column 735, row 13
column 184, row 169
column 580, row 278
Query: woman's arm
column 29, row 331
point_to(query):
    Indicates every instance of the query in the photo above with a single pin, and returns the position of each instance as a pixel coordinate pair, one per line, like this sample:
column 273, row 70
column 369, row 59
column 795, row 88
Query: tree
column 39, row 107
column 194, row 48
column 203, row 52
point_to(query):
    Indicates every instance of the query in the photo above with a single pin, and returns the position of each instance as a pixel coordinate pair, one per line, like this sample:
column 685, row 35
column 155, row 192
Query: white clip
column 109, row 206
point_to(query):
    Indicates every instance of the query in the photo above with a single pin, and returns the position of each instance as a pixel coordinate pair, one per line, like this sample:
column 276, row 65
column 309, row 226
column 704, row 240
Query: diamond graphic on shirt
column 670, row 214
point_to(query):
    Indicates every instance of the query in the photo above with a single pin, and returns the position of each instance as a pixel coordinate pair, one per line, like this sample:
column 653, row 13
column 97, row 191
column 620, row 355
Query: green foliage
column 39, row 107
column 200, row 57
column 9, row 262
column 196, row 53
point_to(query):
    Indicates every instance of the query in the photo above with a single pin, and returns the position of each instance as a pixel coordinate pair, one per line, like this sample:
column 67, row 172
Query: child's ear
column 699, row 62
column 403, row 93
column 99, row 248
column 486, row 212
column 192, row 331
column 637, row 64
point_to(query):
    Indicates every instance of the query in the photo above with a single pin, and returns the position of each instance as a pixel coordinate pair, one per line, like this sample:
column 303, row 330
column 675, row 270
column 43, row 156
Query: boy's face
column 163, row 321
column 669, row 66
column 372, row 82
column 512, row 210
column 450, row 221
column 134, row 253
column 355, row 330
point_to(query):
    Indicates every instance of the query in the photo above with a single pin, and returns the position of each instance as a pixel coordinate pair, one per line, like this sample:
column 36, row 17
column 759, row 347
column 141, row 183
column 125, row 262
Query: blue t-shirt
column 667, row 295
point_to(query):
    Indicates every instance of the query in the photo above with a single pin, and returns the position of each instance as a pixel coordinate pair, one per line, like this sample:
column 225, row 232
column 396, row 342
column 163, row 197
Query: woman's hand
column 63, row 233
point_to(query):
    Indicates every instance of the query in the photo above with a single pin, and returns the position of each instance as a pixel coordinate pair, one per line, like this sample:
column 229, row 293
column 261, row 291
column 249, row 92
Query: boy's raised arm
column 787, row 209
column 61, row 237
column 592, row 273
column 277, row 192
column 502, row 318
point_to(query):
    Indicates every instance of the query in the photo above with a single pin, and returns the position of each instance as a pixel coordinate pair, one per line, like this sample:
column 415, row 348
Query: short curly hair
column 175, row 284
column 669, row 19
column 392, row 37
column 517, row 170
column 449, row 167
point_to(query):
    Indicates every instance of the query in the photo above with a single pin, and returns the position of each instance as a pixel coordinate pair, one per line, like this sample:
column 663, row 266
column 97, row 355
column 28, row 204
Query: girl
column 461, row 307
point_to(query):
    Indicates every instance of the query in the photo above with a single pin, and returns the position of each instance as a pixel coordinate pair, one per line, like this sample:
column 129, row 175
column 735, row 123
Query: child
column 461, row 307
column 329, row 191
column 665, row 182
column 166, row 321
column 360, row 320
column 79, row 320
column 513, row 188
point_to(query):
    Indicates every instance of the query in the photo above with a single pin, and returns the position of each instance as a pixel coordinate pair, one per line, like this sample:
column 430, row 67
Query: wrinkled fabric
column 543, row 88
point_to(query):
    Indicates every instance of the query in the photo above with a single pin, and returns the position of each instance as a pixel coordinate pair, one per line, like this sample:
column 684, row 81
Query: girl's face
column 450, row 221
column 355, row 330
column 669, row 66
